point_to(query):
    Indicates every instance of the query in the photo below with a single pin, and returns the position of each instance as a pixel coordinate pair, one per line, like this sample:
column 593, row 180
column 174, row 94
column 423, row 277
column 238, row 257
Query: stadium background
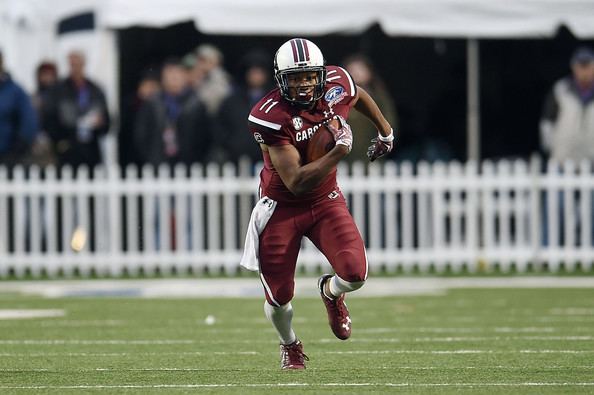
column 426, row 76
column 524, row 47
column 523, row 333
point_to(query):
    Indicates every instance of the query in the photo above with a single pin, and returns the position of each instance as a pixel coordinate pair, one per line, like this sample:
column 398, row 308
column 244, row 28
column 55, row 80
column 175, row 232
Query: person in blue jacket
column 18, row 120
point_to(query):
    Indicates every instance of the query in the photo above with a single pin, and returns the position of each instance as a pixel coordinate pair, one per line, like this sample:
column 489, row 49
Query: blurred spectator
column 46, row 77
column 365, row 76
column 173, row 126
column 76, row 116
column 147, row 88
column 209, row 77
column 255, row 81
column 18, row 122
column 567, row 122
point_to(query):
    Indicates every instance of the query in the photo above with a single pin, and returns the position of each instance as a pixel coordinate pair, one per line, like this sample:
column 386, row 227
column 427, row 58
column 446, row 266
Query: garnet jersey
column 274, row 121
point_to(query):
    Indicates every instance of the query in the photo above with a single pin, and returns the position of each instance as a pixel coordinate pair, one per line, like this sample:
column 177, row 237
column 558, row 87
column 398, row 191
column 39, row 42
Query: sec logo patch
column 297, row 123
column 258, row 138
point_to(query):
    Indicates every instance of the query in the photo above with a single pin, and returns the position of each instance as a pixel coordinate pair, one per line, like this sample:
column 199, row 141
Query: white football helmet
column 295, row 56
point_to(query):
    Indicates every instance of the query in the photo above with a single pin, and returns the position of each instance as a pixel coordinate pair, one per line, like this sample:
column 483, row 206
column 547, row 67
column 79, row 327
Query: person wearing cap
column 567, row 121
column 567, row 129
column 18, row 121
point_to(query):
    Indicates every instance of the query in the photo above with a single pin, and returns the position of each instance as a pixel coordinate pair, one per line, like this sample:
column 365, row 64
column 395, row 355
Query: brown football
column 321, row 142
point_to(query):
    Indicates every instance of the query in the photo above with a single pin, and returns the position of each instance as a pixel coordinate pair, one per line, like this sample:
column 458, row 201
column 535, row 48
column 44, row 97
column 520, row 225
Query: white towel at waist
column 258, row 220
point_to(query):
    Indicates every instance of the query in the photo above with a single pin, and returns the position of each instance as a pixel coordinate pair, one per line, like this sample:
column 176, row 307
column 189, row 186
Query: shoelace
column 294, row 352
column 340, row 308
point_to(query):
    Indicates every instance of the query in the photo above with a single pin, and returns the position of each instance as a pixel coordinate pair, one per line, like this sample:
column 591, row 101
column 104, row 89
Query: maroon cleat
column 292, row 356
column 338, row 314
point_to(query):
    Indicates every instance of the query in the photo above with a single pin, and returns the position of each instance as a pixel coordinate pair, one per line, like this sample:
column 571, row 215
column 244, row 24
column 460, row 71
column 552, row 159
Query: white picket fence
column 453, row 216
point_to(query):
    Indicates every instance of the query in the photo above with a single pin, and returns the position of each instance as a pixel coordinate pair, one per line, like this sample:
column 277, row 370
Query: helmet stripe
column 304, row 42
column 294, row 48
column 300, row 51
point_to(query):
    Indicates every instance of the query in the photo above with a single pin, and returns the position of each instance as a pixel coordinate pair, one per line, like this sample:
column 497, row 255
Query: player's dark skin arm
column 301, row 179
column 367, row 106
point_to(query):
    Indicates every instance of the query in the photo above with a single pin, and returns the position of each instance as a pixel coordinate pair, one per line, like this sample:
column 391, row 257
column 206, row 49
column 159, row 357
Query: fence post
column 471, row 178
column 488, row 212
column 230, row 217
column 585, row 182
column 438, row 213
column 19, row 203
column 536, row 209
column 552, row 215
column 213, row 215
column 114, row 225
column 197, row 208
column 4, row 220
column 407, row 226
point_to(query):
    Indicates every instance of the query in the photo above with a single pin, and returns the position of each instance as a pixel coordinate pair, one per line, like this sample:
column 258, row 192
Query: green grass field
column 490, row 341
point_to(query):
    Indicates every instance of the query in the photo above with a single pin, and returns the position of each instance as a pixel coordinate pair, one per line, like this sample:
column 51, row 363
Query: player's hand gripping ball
column 335, row 131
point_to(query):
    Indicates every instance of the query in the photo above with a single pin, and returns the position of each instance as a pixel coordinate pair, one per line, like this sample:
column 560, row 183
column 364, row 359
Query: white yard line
column 511, row 330
column 251, row 287
column 190, row 369
column 123, row 354
column 323, row 385
column 61, row 342
column 352, row 352
column 446, row 339
column 454, row 352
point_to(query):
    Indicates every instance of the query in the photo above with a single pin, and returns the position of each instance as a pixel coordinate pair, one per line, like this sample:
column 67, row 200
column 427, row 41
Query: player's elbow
column 304, row 182
column 298, row 189
column 297, row 184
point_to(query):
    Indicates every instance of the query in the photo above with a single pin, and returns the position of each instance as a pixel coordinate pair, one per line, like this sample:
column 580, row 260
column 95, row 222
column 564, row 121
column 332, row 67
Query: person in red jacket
column 303, row 199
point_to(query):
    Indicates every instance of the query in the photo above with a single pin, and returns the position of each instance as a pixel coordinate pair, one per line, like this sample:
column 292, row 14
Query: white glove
column 342, row 135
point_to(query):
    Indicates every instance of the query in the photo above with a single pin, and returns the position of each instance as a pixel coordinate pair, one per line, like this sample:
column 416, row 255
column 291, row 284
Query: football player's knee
column 352, row 266
column 283, row 295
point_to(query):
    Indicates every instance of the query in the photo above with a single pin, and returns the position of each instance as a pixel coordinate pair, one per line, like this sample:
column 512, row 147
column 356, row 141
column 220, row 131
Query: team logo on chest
column 297, row 123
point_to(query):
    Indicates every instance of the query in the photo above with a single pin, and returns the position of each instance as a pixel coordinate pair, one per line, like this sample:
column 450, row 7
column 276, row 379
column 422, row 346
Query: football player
column 302, row 199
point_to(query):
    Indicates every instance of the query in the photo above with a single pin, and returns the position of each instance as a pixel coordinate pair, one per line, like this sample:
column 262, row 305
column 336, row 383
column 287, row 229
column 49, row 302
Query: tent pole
column 473, row 132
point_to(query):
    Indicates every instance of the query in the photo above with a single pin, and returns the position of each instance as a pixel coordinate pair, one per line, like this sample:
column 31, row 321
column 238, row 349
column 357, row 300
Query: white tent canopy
column 429, row 18
column 28, row 27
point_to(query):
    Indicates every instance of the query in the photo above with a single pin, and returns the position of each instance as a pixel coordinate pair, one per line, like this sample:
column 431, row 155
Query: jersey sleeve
column 339, row 78
column 267, row 132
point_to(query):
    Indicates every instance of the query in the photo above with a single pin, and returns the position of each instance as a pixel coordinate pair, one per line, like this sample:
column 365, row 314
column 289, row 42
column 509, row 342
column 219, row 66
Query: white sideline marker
column 20, row 314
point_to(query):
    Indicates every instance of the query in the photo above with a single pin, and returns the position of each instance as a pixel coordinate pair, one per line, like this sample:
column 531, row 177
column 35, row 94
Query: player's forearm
column 368, row 107
column 310, row 175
